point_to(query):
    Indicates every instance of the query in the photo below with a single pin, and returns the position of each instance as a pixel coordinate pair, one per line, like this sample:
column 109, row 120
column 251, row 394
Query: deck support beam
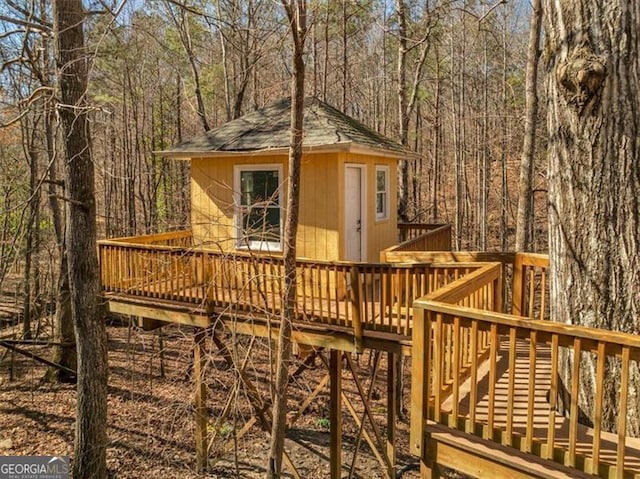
column 335, row 414
column 420, row 377
column 392, row 403
column 200, row 400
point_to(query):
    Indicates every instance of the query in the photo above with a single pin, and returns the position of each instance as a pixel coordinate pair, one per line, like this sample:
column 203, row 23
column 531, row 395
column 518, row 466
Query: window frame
column 262, row 245
column 384, row 215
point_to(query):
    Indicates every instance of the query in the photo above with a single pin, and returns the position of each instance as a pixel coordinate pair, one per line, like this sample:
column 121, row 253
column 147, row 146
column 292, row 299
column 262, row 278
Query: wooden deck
column 528, row 417
column 509, row 401
column 485, row 373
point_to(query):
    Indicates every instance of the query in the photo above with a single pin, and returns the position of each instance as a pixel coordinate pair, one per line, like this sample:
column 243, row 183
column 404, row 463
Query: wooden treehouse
column 484, row 357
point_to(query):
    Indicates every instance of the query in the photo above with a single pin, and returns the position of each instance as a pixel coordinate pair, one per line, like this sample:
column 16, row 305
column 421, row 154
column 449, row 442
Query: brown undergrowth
column 151, row 418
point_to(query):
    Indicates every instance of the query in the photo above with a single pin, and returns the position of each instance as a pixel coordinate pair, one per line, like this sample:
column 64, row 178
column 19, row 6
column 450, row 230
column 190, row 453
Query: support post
column 499, row 291
column 335, row 414
column 356, row 308
column 517, row 301
column 392, row 400
column 429, row 470
column 420, row 377
column 200, row 400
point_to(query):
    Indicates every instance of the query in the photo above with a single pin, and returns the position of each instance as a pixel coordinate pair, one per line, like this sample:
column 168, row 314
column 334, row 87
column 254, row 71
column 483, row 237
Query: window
column 382, row 192
column 259, row 210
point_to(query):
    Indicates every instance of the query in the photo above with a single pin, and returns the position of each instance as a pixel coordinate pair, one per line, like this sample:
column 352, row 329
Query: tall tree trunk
column 65, row 353
column 485, row 169
column 30, row 251
column 181, row 23
column 91, row 410
column 504, row 190
column 592, row 59
column 408, row 94
column 296, row 12
column 524, row 217
column 403, row 116
column 345, row 56
column 437, row 135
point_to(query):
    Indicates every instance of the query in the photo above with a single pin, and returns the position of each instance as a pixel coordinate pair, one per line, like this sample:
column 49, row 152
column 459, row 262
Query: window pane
column 261, row 224
column 258, row 187
column 380, row 203
column 381, row 183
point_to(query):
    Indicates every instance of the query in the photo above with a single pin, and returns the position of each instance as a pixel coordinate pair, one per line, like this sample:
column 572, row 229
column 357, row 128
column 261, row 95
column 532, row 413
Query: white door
column 353, row 214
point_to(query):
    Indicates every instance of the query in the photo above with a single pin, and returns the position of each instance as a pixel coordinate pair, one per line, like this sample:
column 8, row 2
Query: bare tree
column 181, row 22
column 297, row 15
column 524, row 218
column 91, row 338
column 407, row 95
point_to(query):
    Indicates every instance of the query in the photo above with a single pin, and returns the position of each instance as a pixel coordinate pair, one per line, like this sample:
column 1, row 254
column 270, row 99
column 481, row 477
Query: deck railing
column 409, row 231
column 182, row 238
column 513, row 394
column 359, row 296
column 419, row 237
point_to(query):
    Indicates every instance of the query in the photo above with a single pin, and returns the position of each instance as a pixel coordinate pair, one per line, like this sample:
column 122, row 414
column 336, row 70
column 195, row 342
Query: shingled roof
column 267, row 129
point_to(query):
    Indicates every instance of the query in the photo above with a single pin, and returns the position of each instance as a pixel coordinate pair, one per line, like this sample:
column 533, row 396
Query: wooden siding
column 321, row 228
column 213, row 206
column 318, row 229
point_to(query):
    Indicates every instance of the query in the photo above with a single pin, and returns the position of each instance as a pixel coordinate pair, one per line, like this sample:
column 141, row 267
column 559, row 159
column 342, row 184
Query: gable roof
column 267, row 130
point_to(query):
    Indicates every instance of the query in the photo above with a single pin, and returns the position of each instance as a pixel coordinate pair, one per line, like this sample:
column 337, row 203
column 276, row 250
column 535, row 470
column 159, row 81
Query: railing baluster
column 438, row 363
column 181, row 284
column 398, row 299
column 447, row 352
column 456, row 368
column 151, row 273
column 493, row 363
column 532, row 292
column 319, row 296
column 543, row 295
column 553, row 397
column 407, row 303
column 597, row 415
column 574, row 411
column 312, row 286
column 327, row 276
column 380, row 320
column 531, row 392
column 248, row 283
column 473, row 393
column 336, row 291
column 622, row 413
column 511, row 390
column 166, row 290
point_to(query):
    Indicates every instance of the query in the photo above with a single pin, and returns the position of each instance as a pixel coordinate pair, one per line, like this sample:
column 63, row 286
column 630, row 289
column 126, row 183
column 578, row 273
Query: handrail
column 488, row 273
column 407, row 231
column 154, row 238
column 436, row 238
column 450, row 256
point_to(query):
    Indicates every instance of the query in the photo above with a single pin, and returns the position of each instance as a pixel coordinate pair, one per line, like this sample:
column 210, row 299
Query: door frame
column 363, row 209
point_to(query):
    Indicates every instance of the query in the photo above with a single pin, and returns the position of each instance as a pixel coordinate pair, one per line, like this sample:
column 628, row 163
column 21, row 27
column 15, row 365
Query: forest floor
column 151, row 416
